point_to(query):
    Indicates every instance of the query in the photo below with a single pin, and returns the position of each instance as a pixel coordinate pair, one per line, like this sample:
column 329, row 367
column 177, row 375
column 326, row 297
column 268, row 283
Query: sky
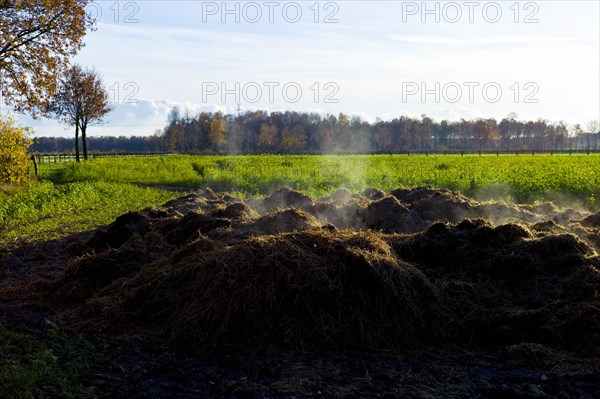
column 375, row 59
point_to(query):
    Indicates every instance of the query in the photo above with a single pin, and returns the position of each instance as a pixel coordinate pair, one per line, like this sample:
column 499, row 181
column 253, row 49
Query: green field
column 70, row 197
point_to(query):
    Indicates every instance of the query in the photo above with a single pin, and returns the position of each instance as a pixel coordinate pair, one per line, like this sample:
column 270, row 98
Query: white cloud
column 142, row 118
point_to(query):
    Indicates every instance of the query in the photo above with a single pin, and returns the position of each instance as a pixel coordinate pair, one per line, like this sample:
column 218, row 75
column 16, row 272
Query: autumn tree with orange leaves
column 37, row 40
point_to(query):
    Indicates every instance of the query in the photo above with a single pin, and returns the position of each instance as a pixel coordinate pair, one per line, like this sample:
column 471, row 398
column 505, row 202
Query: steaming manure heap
column 412, row 268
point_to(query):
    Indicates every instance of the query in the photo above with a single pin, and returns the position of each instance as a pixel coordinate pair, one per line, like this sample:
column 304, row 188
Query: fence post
column 35, row 166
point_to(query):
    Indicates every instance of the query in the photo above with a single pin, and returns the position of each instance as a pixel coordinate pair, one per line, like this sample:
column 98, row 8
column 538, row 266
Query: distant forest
column 296, row 132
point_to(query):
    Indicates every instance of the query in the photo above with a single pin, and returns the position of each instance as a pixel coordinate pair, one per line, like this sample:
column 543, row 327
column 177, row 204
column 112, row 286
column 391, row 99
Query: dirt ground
column 414, row 293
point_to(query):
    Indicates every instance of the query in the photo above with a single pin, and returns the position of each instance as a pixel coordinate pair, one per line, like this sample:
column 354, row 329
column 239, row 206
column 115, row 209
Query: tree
column 425, row 131
column 382, row 133
column 484, row 131
column 266, row 136
column 172, row 135
column 577, row 132
column 37, row 39
column 80, row 100
column 594, row 131
column 216, row 135
column 342, row 137
column 14, row 159
column 294, row 139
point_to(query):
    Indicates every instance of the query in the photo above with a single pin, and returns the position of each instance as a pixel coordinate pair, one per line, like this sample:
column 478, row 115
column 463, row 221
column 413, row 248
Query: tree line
column 292, row 132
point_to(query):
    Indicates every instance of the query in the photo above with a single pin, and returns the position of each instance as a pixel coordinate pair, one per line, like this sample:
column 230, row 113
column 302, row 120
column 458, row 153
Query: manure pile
column 372, row 271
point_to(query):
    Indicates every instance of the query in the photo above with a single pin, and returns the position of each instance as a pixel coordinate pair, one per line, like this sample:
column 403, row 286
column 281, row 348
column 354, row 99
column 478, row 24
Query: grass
column 47, row 366
column 523, row 178
column 73, row 197
column 46, row 210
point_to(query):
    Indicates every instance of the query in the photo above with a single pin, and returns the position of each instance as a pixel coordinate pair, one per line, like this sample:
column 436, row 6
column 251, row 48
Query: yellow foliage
column 266, row 137
column 38, row 38
column 14, row 159
column 294, row 139
column 218, row 128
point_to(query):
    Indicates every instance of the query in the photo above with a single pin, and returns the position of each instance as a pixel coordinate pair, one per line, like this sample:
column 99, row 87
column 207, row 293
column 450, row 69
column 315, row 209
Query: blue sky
column 449, row 60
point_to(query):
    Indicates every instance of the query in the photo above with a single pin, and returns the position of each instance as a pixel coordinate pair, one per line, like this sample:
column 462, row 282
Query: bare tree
column 594, row 131
column 80, row 100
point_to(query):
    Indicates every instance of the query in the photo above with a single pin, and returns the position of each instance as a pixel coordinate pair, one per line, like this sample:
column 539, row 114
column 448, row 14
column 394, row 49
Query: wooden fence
column 44, row 158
